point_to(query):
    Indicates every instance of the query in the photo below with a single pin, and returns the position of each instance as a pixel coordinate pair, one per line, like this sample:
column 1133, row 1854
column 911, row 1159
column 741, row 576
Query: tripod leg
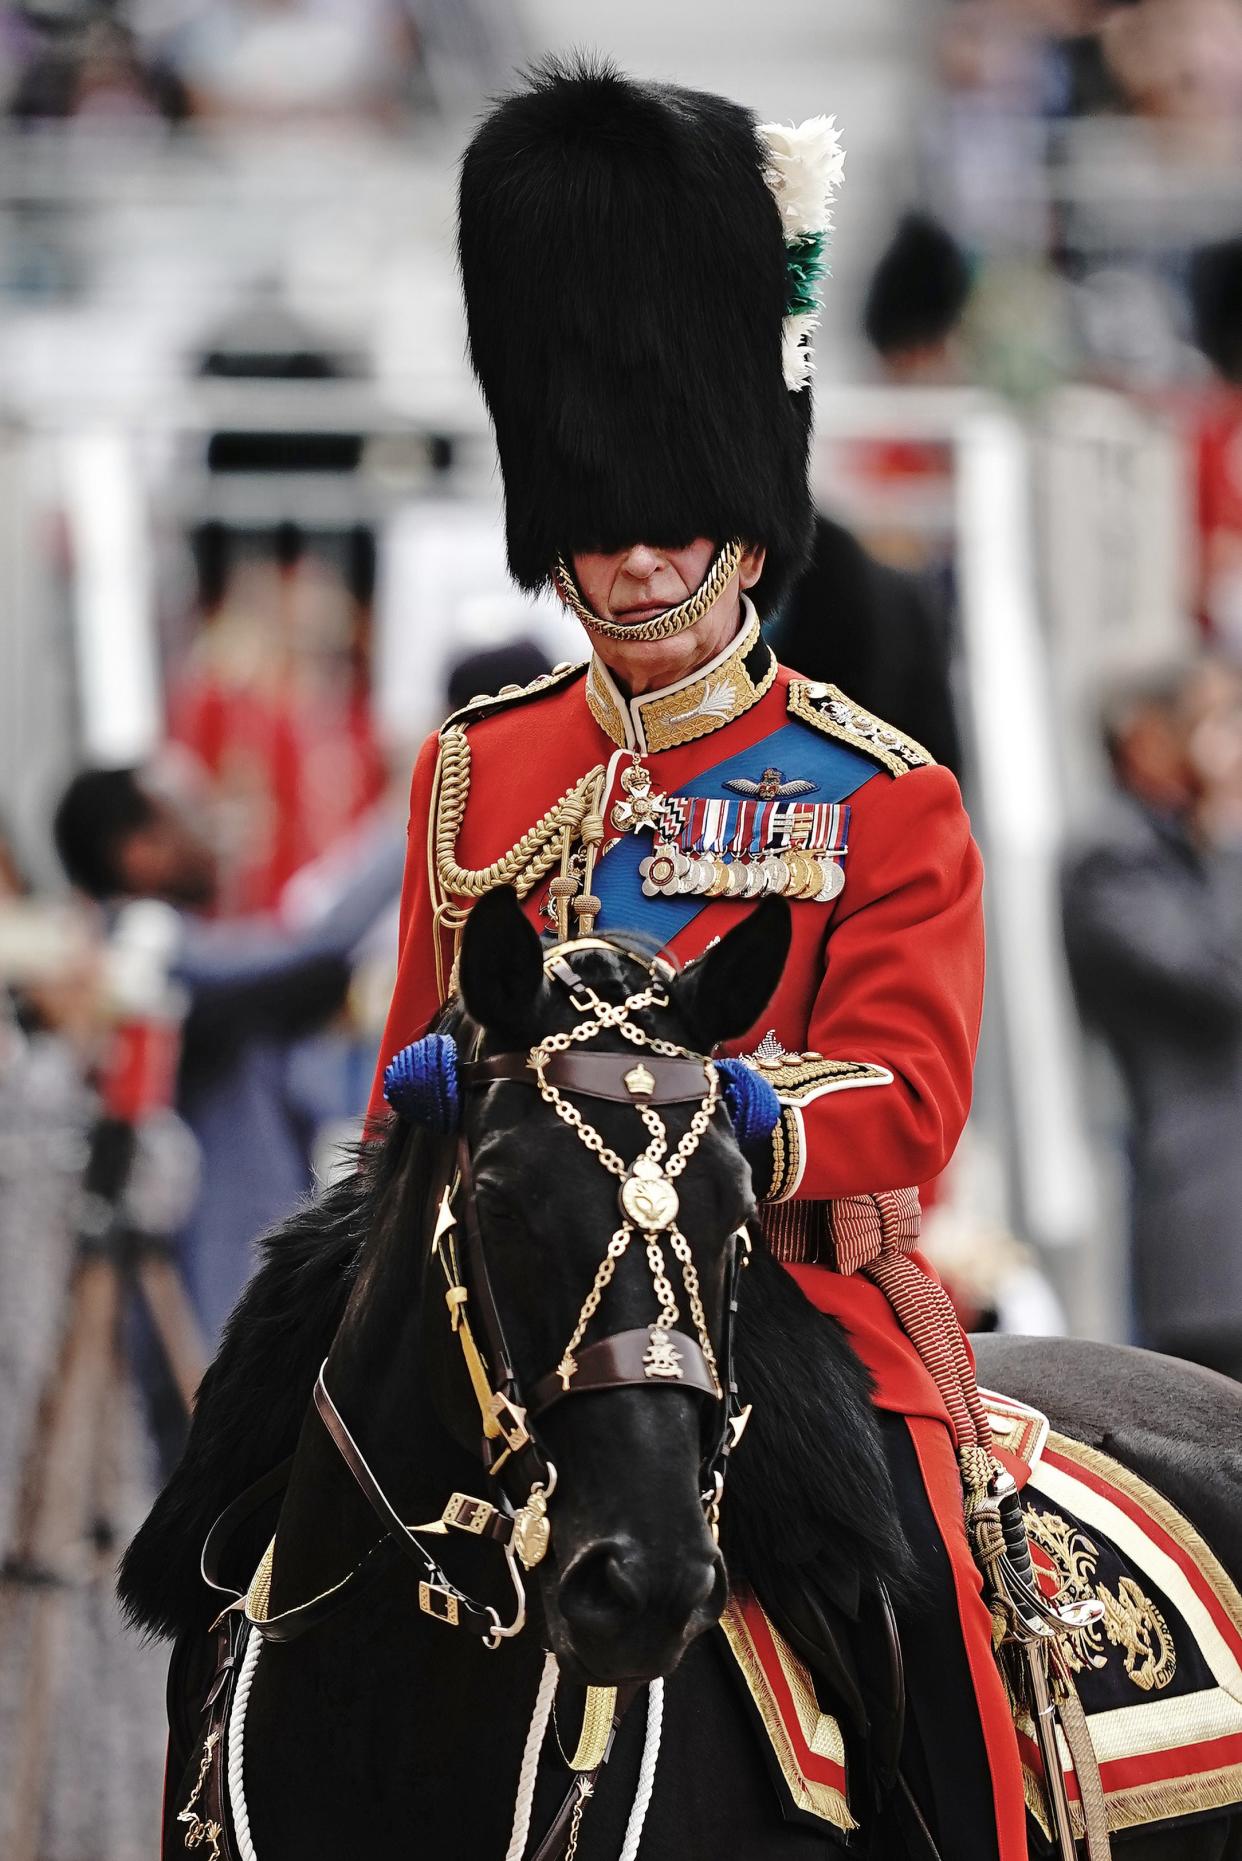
column 48, row 1550
column 175, row 1324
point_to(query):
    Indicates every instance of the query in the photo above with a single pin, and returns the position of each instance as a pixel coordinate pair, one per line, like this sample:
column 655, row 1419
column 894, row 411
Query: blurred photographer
column 251, row 988
column 1153, row 928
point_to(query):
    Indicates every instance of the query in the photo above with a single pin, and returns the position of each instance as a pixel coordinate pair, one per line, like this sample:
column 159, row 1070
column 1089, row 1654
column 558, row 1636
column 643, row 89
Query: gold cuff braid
column 786, row 1154
column 663, row 626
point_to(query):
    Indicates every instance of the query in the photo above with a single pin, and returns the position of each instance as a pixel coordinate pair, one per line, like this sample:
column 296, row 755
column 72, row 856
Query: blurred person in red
column 252, row 987
column 880, row 632
column 273, row 702
column 1215, row 286
column 912, row 315
column 1153, row 929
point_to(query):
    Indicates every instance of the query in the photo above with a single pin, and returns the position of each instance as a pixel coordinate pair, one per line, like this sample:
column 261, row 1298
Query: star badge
column 640, row 804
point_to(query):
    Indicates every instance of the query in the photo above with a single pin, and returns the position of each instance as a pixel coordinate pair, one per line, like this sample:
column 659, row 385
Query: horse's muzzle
column 630, row 1612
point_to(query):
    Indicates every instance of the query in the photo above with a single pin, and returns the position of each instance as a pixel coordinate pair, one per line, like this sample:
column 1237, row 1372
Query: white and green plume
column 804, row 169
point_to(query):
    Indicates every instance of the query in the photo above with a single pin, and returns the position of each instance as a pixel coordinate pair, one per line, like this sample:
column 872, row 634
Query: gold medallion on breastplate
column 648, row 1198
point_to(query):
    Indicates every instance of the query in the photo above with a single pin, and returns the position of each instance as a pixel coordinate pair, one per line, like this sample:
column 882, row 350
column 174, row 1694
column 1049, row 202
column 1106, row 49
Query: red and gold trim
column 805, row 1740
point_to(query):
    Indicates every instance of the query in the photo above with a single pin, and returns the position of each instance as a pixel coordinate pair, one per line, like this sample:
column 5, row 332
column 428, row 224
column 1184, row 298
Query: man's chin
column 635, row 616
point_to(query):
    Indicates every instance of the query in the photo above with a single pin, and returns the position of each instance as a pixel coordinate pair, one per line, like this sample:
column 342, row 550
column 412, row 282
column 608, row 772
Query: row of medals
column 670, row 873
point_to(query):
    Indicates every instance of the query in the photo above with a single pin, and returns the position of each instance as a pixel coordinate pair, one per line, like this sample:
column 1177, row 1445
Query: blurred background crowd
column 250, row 554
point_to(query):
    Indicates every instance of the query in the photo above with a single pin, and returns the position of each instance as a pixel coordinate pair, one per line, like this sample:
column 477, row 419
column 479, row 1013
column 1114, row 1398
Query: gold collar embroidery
column 713, row 696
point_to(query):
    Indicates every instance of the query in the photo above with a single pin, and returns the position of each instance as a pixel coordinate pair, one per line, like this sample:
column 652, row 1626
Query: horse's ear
column 501, row 967
column 726, row 989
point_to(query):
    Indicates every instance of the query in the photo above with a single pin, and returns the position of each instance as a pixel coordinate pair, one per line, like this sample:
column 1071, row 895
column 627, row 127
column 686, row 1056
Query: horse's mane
column 808, row 1489
column 808, row 1486
column 252, row 1400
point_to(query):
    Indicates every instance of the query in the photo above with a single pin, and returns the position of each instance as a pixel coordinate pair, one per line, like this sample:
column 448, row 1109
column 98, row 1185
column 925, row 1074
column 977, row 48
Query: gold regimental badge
column 661, row 1357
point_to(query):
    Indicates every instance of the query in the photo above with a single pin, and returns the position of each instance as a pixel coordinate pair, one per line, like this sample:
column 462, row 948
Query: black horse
column 382, row 1731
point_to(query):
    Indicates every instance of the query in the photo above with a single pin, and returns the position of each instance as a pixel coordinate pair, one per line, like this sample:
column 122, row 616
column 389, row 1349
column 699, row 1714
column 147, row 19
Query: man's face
column 171, row 857
column 1210, row 717
column 632, row 585
column 635, row 584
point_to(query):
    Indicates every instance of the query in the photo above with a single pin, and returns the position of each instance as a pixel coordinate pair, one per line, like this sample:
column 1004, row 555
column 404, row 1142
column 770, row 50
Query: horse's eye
column 500, row 1214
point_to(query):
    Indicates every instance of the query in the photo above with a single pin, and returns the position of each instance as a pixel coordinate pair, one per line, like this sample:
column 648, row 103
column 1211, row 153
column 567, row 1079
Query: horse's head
column 615, row 1311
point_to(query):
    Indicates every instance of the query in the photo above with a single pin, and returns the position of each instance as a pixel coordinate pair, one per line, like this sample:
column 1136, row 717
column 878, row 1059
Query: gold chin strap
column 663, row 626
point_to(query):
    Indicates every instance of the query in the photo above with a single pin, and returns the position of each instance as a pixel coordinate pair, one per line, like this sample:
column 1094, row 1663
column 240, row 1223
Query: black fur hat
column 624, row 269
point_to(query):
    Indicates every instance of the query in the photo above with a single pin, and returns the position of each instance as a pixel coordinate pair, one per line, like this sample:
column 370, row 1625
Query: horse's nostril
column 605, row 1588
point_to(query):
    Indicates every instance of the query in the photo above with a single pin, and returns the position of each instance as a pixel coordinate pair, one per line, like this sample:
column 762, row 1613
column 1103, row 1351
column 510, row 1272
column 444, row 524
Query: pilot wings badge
column 771, row 786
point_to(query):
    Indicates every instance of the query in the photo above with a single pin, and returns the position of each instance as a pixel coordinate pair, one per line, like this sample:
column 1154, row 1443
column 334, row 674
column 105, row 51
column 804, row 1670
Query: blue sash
column 836, row 770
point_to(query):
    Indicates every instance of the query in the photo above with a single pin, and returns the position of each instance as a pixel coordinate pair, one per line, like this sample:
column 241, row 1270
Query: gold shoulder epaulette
column 488, row 704
column 825, row 708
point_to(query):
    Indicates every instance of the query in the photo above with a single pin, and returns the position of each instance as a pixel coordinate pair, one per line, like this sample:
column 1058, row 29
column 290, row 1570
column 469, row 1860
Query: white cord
column 526, row 1776
column 237, row 1727
column 530, row 1760
column 646, row 1771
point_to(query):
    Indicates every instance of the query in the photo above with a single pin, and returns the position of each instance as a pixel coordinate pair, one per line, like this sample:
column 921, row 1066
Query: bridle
column 661, row 1355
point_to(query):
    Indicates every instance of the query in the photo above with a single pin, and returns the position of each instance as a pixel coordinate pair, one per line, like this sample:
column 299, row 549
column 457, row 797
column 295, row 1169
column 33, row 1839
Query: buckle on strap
column 510, row 1421
column 477, row 1517
column 439, row 1603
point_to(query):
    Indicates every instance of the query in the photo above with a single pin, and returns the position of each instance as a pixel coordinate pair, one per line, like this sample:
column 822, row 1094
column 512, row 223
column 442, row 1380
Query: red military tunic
column 871, row 1034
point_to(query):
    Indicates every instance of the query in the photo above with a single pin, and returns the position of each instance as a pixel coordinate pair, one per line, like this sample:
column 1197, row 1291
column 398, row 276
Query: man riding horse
column 641, row 268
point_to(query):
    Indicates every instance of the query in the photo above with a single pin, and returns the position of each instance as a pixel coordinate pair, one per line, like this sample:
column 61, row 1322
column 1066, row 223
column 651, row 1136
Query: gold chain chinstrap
column 662, row 626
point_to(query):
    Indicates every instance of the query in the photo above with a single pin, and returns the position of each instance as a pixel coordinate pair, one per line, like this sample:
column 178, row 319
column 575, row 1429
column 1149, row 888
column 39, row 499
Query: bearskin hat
column 624, row 264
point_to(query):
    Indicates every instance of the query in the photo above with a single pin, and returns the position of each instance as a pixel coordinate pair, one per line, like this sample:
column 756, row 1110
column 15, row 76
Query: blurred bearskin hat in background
column 1215, row 280
column 624, row 266
column 919, row 289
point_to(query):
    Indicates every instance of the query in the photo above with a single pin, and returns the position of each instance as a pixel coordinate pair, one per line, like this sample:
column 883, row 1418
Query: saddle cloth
column 1159, row 1677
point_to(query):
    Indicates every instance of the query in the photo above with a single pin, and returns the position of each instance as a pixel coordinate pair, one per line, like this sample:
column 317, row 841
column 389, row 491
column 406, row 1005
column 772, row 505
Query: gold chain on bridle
column 652, row 1201
column 662, row 626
